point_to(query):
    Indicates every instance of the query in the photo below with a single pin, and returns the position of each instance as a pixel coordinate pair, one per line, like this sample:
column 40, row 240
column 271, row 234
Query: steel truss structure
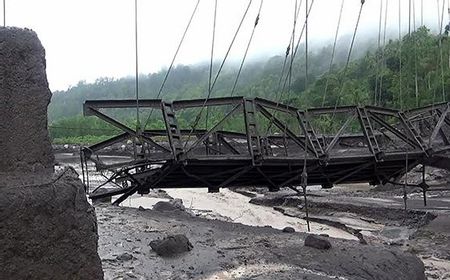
column 275, row 145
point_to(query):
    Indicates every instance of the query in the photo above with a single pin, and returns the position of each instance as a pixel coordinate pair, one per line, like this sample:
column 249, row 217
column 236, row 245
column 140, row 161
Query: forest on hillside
column 411, row 72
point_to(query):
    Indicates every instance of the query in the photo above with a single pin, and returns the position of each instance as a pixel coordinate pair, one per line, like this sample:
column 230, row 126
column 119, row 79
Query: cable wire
column 349, row 55
column 440, row 52
column 333, row 53
column 138, row 125
column 294, row 55
column 211, row 63
column 400, row 52
column 280, row 96
column 383, row 53
column 174, row 58
column 376, row 53
column 247, row 48
column 280, row 91
column 197, row 119
column 416, row 79
column 421, row 12
column 4, row 13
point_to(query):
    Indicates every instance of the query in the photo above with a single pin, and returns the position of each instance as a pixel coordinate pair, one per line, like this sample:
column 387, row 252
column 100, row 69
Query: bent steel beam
column 246, row 156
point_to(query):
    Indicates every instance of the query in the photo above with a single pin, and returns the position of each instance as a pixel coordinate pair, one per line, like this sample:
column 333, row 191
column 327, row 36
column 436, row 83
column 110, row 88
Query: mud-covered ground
column 380, row 218
column 237, row 233
column 224, row 250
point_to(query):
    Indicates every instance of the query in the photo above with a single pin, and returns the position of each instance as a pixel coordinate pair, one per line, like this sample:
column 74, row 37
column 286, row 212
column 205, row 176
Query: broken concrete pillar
column 24, row 96
column 48, row 230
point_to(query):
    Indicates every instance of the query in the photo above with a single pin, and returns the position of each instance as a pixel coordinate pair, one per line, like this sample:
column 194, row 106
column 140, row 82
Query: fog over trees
column 402, row 74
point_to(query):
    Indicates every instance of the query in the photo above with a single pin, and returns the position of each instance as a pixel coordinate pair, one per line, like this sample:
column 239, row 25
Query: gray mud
column 379, row 218
column 223, row 250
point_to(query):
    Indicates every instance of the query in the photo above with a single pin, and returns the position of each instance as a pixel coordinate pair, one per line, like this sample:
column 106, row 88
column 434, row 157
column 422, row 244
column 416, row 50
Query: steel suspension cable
column 303, row 29
column 416, row 79
column 280, row 80
column 212, row 47
column 354, row 33
column 421, row 12
column 138, row 124
column 166, row 76
column 211, row 62
column 383, row 53
column 438, row 15
column 306, row 45
column 440, row 57
column 292, row 43
column 280, row 90
column 288, row 78
column 296, row 13
column 349, row 55
column 197, row 119
column 305, row 172
column 409, row 17
column 378, row 49
column 409, row 38
column 400, row 52
column 278, row 102
column 440, row 51
column 433, row 114
column 247, row 48
column 333, row 53
column 295, row 53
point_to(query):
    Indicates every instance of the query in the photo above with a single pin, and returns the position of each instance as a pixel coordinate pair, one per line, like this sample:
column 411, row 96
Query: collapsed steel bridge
column 272, row 145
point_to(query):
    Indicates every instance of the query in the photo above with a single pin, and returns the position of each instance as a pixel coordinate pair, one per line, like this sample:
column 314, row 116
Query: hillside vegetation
column 403, row 74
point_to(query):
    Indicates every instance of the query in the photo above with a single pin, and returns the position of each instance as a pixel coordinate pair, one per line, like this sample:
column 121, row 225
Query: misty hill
column 407, row 73
column 258, row 78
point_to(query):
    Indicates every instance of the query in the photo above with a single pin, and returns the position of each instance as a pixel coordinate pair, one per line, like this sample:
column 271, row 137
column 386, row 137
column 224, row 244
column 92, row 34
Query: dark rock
column 171, row 205
column 324, row 235
column 171, row 245
column 289, row 229
column 141, row 208
column 125, row 257
column 317, row 242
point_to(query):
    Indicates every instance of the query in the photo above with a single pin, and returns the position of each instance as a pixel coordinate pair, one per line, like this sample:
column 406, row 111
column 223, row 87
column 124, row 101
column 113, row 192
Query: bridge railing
column 256, row 129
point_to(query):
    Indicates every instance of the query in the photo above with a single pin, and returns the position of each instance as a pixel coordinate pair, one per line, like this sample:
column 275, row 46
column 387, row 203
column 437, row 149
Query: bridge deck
column 348, row 144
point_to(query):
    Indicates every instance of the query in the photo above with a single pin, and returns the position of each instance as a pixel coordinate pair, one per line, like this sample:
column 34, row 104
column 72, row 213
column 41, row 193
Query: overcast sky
column 87, row 39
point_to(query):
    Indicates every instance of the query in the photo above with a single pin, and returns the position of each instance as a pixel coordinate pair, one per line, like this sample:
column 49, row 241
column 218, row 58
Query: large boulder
column 24, row 97
column 171, row 205
column 317, row 242
column 171, row 245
